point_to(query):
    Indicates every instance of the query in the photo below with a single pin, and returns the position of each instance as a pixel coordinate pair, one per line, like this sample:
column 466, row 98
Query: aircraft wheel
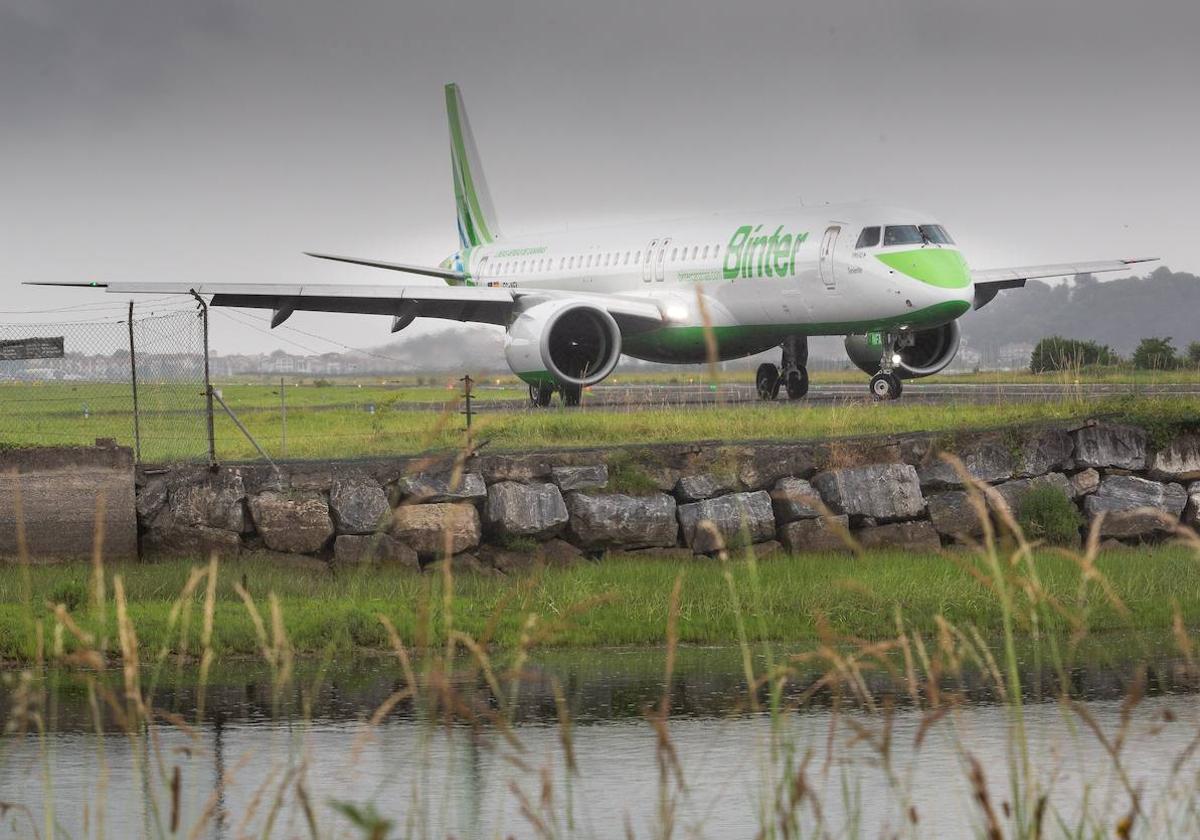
column 766, row 381
column 797, row 383
column 571, row 395
column 886, row 386
column 540, row 394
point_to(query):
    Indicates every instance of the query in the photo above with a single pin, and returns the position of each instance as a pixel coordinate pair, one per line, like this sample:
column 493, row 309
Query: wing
column 990, row 281
column 477, row 304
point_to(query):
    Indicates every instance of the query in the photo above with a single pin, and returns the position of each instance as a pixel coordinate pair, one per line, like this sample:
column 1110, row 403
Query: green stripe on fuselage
column 936, row 266
column 686, row 344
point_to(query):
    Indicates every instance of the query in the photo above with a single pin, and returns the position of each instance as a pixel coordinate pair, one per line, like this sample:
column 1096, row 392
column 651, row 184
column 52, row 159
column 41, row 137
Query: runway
column 641, row 397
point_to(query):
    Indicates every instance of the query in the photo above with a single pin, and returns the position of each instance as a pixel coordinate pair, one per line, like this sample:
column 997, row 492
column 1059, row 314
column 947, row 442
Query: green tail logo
column 476, row 217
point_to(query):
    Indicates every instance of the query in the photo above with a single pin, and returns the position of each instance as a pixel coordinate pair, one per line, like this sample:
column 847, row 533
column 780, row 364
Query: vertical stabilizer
column 476, row 217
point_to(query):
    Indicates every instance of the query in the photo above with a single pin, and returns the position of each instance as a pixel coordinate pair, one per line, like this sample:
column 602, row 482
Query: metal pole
column 283, row 415
column 137, row 429
column 243, row 429
column 467, row 383
column 208, row 390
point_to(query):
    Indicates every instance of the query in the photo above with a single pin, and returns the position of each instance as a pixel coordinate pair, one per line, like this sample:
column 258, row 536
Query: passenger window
column 869, row 238
column 695, row 251
column 716, row 250
column 674, row 252
column 902, row 235
column 637, row 256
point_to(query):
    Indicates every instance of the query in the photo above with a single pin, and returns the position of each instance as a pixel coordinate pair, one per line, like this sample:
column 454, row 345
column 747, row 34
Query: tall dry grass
column 805, row 787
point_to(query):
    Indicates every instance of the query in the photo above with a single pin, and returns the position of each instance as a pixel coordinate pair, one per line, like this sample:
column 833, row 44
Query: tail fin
column 476, row 217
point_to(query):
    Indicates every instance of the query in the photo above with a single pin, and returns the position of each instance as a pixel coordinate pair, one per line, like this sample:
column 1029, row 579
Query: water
column 468, row 782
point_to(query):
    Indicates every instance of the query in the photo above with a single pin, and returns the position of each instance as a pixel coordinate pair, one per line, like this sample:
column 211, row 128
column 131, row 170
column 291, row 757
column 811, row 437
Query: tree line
column 1156, row 353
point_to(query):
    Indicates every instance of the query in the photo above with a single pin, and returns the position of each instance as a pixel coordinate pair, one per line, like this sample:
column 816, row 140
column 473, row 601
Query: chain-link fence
column 137, row 380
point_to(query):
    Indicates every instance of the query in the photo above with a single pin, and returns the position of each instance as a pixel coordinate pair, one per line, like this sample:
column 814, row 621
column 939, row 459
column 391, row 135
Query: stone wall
column 56, row 492
column 497, row 513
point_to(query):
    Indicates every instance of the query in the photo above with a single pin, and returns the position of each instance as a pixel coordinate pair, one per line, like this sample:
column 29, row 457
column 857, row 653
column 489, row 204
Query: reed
column 460, row 672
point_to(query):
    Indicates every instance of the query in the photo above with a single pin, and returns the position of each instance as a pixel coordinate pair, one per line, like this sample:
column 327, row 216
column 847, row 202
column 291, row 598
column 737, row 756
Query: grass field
column 360, row 419
column 613, row 602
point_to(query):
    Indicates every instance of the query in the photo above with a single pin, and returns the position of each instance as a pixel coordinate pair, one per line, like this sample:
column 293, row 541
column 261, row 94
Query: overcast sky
column 203, row 140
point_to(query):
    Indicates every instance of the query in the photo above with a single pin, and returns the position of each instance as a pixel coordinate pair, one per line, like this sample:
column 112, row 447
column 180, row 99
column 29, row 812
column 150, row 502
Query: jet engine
column 575, row 343
column 922, row 352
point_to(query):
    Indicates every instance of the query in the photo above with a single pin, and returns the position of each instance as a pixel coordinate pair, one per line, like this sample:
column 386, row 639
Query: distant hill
column 1118, row 313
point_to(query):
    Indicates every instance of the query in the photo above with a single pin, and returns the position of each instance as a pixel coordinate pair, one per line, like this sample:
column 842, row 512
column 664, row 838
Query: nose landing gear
column 791, row 374
column 887, row 385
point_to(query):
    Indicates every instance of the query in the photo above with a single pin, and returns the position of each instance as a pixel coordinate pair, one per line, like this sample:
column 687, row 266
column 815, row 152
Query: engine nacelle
column 573, row 343
column 922, row 352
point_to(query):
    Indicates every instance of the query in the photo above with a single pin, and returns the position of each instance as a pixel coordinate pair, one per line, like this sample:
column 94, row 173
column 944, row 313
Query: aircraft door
column 648, row 262
column 827, row 264
column 660, row 260
column 481, row 270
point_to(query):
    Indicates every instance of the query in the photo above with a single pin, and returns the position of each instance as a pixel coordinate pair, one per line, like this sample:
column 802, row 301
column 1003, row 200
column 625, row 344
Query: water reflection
column 469, row 782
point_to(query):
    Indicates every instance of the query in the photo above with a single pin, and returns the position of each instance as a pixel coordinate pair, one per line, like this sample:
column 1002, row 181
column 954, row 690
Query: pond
column 883, row 763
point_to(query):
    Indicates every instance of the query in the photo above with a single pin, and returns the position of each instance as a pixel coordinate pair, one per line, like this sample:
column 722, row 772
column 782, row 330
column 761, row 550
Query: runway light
column 895, row 358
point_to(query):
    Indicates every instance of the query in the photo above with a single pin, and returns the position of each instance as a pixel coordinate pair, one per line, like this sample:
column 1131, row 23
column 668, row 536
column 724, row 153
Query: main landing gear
column 541, row 393
column 887, row 385
column 791, row 374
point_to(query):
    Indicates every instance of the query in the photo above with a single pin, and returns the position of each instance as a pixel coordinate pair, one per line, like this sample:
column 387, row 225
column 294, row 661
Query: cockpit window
column 869, row 238
column 936, row 234
column 902, row 235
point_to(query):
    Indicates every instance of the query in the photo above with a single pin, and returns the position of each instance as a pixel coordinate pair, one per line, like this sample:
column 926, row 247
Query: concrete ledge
column 55, row 493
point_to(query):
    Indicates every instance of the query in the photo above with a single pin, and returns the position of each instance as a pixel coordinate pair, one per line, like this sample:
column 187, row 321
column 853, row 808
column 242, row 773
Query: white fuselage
column 755, row 278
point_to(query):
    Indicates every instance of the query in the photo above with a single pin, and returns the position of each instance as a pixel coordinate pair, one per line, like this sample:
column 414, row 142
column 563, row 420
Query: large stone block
column 795, row 498
column 580, row 478
column 953, row 515
column 907, row 536
column 359, row 506
column 428, row 527
column 171, row 540
column 989, row 461
column 1191, row 511
column 442, row 487
column 739, row 519
column 1085, row 483
column 524, row 510
column 884, row 492
column 1135, row 507
column 213, row 503
column 1177, row 461
column 379, row 549
column 695, row 488
column 1043, row 451
column 297, row 523
column 554, row 553
column 1106, row 446
column 1012, row 493
column 824, row 534
column 618, row 521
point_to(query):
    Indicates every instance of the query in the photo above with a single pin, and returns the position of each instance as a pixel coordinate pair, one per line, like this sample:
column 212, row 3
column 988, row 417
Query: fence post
column 467, row 382
column 137, row 429
column 283, row 419
column 208, row 391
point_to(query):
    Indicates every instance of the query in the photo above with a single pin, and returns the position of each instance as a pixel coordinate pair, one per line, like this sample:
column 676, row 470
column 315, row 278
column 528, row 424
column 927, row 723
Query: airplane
column 889, row 279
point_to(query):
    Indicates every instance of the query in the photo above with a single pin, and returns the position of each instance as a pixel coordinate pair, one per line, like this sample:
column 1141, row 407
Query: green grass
column 333, row 422
column 613, row 602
